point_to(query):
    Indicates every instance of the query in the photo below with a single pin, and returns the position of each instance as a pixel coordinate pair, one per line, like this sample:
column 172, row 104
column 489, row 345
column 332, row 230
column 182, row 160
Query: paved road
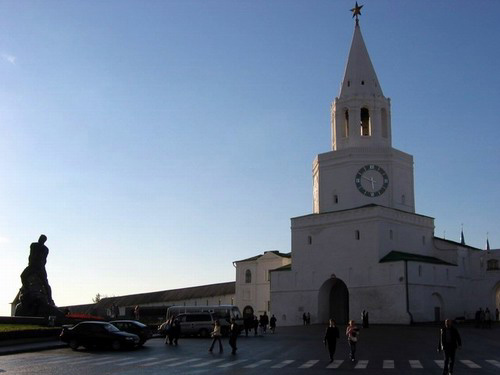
column 297, row 350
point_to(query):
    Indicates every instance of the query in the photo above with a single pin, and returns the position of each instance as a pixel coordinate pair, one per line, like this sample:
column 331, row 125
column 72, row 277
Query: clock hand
column 373, row 183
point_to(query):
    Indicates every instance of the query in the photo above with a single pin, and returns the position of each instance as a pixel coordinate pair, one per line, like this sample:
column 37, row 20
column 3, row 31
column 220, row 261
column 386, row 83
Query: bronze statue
column 36, row 295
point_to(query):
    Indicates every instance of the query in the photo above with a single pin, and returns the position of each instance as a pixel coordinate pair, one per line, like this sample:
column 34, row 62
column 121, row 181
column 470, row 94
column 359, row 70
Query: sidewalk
column 30, row 345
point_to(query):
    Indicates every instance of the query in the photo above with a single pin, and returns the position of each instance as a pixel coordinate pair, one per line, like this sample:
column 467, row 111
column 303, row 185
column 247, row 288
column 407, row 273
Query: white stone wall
column 257, row 293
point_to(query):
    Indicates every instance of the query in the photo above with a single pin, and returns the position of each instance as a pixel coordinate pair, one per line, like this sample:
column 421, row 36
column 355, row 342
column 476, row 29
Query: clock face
column 371, row 180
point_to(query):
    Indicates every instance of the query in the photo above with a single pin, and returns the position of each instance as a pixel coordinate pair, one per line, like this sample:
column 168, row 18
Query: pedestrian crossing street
column 251, row 363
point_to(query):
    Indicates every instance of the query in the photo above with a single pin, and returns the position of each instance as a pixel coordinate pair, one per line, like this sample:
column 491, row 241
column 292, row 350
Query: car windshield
column 111, row 328
column 140, row 324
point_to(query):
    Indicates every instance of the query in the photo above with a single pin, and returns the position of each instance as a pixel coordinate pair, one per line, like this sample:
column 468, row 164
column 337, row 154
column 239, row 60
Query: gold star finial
column 356, row 12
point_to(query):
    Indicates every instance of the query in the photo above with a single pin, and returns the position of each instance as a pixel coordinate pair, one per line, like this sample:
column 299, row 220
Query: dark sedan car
column 92, row 334
column 135, row 327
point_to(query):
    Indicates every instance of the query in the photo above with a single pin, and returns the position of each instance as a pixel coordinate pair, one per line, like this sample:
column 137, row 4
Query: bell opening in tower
column 365, row 122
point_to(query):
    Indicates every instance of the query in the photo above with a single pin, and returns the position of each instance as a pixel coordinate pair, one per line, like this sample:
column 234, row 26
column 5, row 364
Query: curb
column 26, row 347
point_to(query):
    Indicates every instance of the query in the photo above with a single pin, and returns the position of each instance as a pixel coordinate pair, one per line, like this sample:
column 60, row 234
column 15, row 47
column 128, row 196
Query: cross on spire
column 356, row 12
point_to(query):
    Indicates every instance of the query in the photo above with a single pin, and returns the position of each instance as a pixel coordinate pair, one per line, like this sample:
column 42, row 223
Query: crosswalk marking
column 137, row 361
column 56, row 361
column 335, row 364
column 257, row 364
column 207, row 363
column 160, row 362
column 101, row 362
column 388, row 363
column 310, row 363
column 493, row 362
column 45, row 359
column 415, row 363
column 184, row 362
column 233, row 363
column 120, row 360
column 469, row 363
column 362, row 364
column 283, row 363
column 89, row 359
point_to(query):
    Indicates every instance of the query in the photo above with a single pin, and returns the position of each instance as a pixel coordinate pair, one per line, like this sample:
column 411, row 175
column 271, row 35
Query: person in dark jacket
column 272, row 323
column 331, row 336
column 449, row 341
column 176, row 331
column 234, row 331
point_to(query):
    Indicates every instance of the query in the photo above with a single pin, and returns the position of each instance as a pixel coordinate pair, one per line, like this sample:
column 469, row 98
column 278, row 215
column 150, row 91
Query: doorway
column 333, row 301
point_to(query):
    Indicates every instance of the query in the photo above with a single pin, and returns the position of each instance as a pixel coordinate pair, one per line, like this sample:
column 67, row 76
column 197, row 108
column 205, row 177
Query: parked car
column 192, row 324
column 135, row 327
column 97, row 334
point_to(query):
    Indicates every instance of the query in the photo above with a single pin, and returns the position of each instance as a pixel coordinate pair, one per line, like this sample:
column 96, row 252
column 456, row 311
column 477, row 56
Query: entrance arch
column 438, row 304
column 333, row 301
column 248, row 312
column 496, row 295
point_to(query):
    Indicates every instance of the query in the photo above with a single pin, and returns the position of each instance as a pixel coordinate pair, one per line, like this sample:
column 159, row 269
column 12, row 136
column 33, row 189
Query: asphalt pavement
column 291, row 350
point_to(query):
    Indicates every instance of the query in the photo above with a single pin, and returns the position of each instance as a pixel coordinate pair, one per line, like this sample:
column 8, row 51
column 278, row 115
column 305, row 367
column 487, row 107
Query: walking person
column 169, row 332
column 234, row 331
column 176, row 331
column 304, row 318
column 272, row 323
column 330, row 339
column 449, row 341
column 216, row 335
column 352, row 333
column 364, row 319
column 487, row 318
column 264, row 322
column 255, row 325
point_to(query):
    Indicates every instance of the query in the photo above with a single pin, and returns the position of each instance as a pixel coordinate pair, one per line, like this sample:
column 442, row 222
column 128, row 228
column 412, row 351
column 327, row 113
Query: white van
column 224, row 313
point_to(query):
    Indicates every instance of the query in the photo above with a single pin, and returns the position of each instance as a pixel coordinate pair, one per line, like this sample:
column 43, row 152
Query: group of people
column 173, row 331
column 484, row 318
column 234, row 331
column 259, row 324
column 449, row 342
column 332, row 334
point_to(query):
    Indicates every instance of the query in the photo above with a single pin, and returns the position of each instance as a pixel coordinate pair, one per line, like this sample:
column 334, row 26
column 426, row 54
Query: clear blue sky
column 155, row 142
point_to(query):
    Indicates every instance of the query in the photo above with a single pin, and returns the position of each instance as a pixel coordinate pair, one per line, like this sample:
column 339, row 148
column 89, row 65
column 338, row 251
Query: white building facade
column 364, row 247
column 253, row 291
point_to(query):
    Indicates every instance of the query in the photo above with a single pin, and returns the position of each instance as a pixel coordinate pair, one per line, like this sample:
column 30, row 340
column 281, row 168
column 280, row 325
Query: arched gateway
column 333, row 301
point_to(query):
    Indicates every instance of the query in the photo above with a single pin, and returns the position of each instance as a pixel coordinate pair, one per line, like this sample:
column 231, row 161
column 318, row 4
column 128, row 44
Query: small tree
column 97, row 298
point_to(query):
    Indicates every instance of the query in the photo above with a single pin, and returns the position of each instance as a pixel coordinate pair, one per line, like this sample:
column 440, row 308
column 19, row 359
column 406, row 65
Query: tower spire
column 359, row 76
column 356, row 12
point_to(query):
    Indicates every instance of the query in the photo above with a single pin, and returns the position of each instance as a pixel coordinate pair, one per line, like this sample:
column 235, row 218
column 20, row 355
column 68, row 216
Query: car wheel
column 73, row 344
column 116, row 345
column 203, row 333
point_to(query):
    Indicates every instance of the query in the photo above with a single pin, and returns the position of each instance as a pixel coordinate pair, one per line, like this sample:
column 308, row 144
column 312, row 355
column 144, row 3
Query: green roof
column 397, row 256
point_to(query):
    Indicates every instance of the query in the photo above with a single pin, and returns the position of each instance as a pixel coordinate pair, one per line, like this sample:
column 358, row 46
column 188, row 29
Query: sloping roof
column 371, row 205
column 359, row 76
column 276, row 252
column 286, row 267
column 457, row 243
column 396, row 256
column 80, row 309
column 170, row 295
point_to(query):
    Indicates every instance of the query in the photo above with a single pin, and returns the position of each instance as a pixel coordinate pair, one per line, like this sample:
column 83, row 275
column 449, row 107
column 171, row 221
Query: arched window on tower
column 365, row 122
column 345, row 128
column 385, row 126
column 492, row 264
column 248, row 276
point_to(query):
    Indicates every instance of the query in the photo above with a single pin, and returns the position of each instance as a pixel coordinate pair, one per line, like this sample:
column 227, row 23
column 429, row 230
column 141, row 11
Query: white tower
column 362, row 167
